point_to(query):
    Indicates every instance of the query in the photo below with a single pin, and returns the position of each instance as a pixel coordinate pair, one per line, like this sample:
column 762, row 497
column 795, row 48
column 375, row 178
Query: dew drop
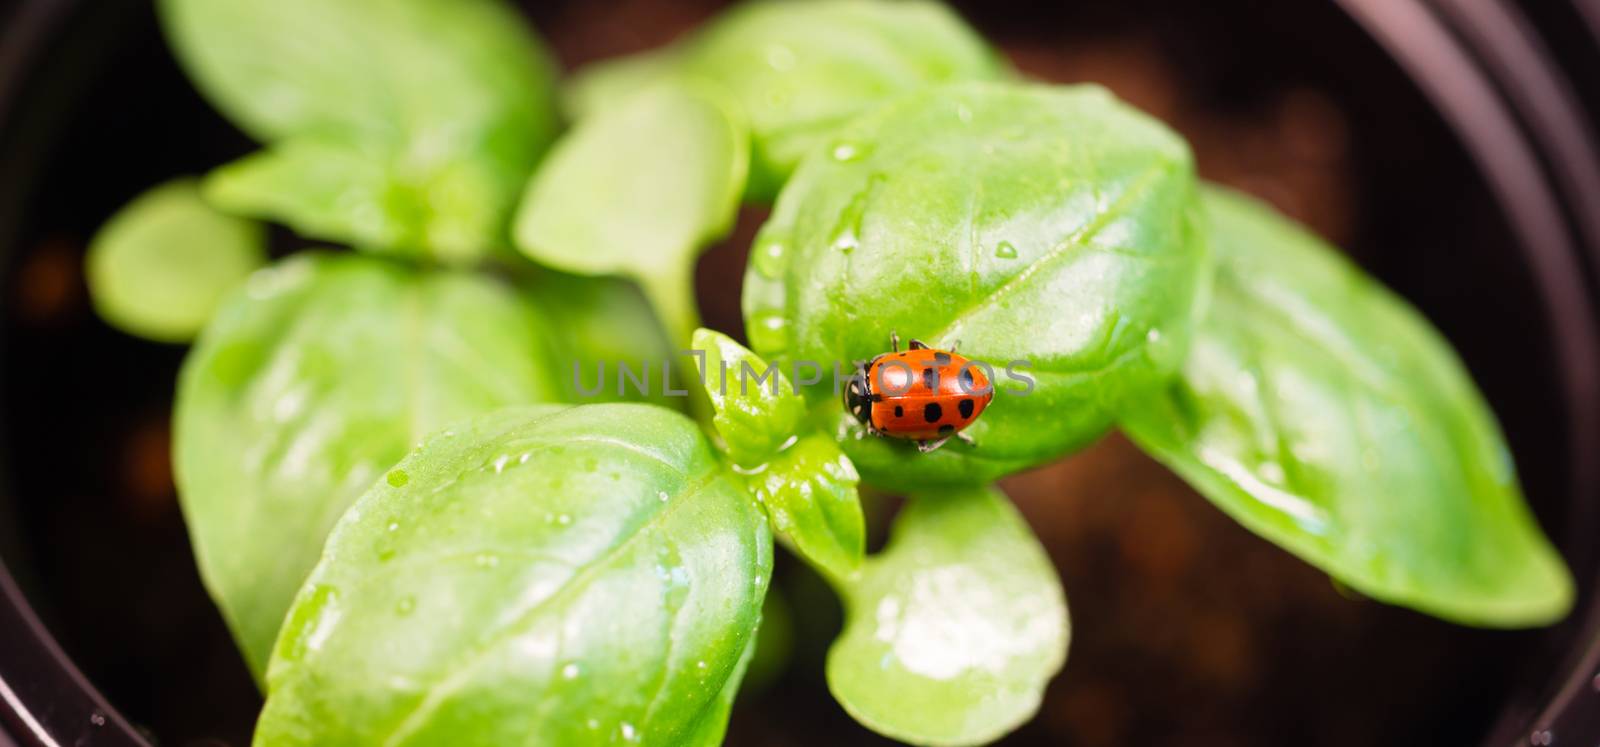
column 405, row 605
column 768, row 257
column 768, row 331
column 701, row 664
column 394, row 526
column 398, row 478
column 629, row 733
column 571, row 671
column 663, row 496
column 486, row 560
column 845, row 151
column 563, row 519
column 847, row 231
column 1542, row 737
column 1005, row 250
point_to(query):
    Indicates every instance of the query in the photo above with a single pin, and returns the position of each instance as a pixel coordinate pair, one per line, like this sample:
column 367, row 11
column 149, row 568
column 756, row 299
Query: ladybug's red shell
column 923, row 394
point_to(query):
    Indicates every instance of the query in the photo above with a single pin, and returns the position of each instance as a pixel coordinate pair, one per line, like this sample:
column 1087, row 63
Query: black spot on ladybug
column 930, row 379
column 941, row 359
column 967, row 382
column 902, row 355
column 932, row 413
column 899, row 411
column 946, row 429
column 966, row 408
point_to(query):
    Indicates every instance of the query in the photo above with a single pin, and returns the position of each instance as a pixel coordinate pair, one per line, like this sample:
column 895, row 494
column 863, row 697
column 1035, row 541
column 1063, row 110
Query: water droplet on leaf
column 768, row 331
column 768, row 257
column 845, row 151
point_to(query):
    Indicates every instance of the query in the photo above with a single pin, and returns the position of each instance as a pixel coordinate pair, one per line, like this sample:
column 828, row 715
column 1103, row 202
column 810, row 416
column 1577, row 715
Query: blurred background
column 1448, row 145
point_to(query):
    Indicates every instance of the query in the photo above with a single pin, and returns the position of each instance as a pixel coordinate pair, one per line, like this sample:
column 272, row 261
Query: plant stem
column 671, row 294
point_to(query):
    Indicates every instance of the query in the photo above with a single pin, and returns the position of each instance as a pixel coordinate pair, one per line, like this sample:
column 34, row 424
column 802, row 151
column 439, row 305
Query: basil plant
column 422, row 529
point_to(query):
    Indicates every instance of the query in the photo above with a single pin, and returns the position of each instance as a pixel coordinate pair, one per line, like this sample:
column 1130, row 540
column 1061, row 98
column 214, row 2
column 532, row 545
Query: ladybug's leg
column 927, row 446
column 954, row 345
column 894, row 341
column 966, row 439
column 918, row 345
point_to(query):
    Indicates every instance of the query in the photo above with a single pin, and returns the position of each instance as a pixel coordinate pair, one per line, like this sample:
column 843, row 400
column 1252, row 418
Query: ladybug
column 921, row 394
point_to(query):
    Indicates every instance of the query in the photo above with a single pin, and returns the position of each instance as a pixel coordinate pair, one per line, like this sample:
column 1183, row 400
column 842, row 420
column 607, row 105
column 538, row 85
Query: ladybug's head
column 858, row 397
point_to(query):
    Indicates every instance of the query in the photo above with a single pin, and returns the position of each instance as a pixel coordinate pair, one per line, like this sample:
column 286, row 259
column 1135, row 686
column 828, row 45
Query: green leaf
column 952, row 632
column 311, row 381
column 608, row 84
column 405, row 126
column 802, row 478
column 159, row 267
column 713, row 721
column 799, row 71
column 809, row 490
column 330, row 189
column 638, row 191
column 1052, row 226
column 561, row 576
column 1323, row 413
column 758, row 413
column 597, row 325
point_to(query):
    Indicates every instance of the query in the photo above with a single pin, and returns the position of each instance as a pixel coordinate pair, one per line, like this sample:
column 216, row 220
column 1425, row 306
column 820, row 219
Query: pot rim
column 1484, row 67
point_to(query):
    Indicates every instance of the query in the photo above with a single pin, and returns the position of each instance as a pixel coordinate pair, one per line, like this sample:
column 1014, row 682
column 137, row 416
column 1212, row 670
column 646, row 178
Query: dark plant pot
column 1449, row 144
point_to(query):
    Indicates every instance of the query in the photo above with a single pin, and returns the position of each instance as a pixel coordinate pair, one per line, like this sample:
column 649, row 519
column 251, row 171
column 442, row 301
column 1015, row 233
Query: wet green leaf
column 802, row 478
column 562, row 576
column 402, row 126
column 953, row 631
column 159, row 267
column 639, row 190
column 313, row 379
column 757, row 411
column 1048, row 226
column 799, row 71
column 712, row 724
column 809, row 490
column 1326, row 415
